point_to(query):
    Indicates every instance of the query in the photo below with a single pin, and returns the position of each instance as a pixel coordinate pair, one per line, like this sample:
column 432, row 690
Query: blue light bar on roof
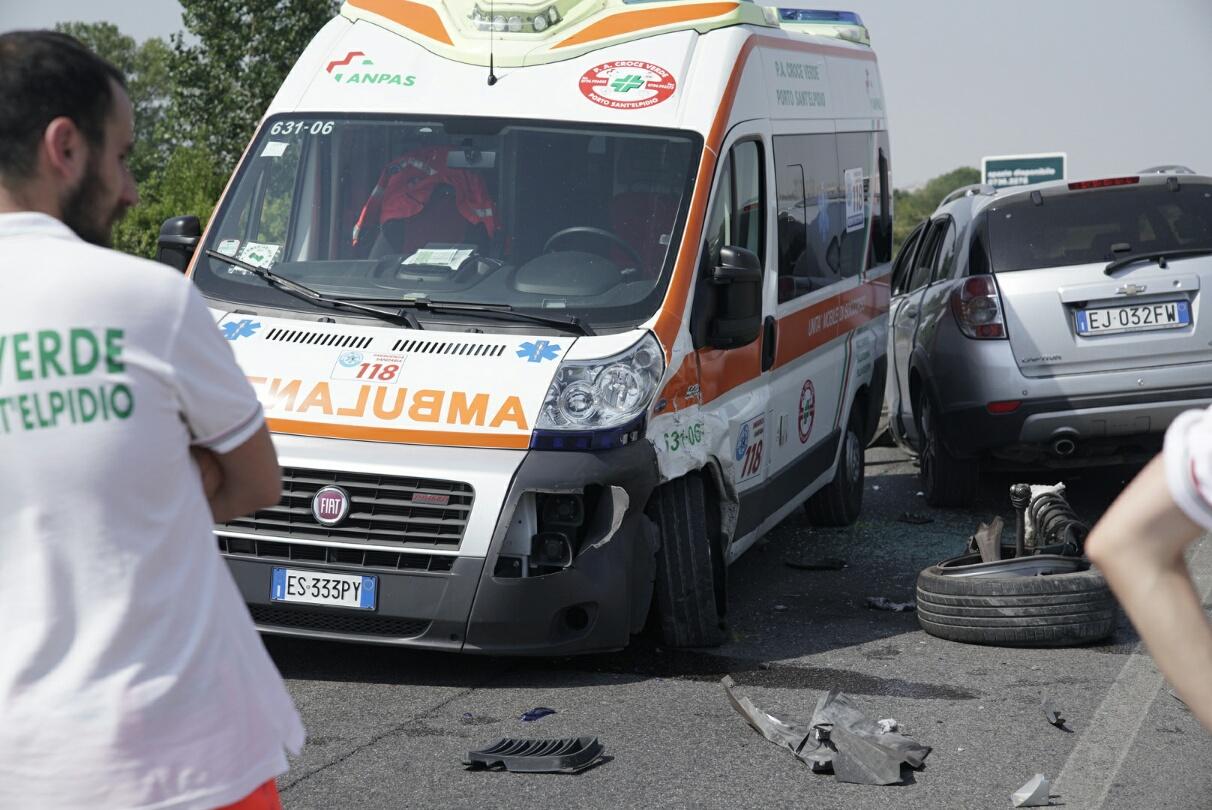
column 819, row 16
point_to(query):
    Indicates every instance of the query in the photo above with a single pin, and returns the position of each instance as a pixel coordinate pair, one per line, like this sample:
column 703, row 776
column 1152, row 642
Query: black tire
column 841, row 500
column 1072, row 606
column 946, row 480
column 691, row 577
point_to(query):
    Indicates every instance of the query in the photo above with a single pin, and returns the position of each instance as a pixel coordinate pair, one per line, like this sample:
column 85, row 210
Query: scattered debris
column 915, row 518
column 819, row 564
column 537, row 713
column 876, row 487
column 888, row 726
column 921, row 494
column 470, row 719
column 880, row 603
column 780, row 608
column 1033, row 794
column 988, row 540
column 1053, row 714
column 839, row 739
column 537, row 756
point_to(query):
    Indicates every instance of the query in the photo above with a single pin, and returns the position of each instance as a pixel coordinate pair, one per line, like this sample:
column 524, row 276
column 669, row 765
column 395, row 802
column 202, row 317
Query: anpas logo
column 627, row 85
column 351, row 70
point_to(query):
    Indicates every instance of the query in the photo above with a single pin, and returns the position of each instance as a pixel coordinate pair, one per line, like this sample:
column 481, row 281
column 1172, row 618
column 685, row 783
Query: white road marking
column 1095, row 761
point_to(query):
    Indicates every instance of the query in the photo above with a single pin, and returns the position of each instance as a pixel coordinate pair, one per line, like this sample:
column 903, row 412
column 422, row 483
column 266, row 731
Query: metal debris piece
column 888, row 726
column 989, row 540
column 780, row 608
column 818, row 564
column 1053, row 714
column 1033, row 794
column 915, row 518
column 571, row 755
column 537, row 713
column 880, row 603
column 839, row 739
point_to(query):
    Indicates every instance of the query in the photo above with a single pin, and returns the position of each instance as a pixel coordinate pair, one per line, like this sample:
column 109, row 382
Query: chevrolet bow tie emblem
column 1131, row 289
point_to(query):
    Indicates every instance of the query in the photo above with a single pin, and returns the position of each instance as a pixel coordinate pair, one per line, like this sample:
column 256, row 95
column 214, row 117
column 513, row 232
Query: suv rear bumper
column 1105, row 419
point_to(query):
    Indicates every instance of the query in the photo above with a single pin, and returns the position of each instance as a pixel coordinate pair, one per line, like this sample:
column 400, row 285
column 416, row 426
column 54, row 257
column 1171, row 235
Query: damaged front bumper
column 556, row 558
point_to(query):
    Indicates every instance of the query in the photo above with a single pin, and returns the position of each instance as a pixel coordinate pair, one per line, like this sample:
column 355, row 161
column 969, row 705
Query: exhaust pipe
column 1064, row 445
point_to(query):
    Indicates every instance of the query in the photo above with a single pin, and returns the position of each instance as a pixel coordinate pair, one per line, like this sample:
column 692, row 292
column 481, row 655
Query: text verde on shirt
column 34, row 357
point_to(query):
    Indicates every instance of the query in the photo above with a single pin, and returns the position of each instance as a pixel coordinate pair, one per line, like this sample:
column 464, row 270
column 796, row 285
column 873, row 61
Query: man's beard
column 82, row 209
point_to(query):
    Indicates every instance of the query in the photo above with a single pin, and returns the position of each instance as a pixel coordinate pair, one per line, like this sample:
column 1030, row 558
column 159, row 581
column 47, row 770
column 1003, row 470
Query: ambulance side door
column 734, row 388
column 814, row 348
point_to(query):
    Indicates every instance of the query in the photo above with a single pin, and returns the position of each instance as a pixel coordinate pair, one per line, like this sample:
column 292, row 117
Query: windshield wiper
column 571, row 323
column 298, row 290
column 1159, row 256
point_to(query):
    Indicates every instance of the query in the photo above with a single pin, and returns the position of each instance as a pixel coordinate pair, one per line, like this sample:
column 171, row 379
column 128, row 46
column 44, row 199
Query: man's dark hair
column 45, row 75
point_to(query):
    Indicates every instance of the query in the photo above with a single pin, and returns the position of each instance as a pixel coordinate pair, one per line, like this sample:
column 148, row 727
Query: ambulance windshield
column 549, row 217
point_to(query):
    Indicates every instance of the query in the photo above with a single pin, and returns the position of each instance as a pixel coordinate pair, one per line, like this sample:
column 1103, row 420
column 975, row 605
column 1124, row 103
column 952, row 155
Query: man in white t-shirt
column 131, row 675
column 1139, row 545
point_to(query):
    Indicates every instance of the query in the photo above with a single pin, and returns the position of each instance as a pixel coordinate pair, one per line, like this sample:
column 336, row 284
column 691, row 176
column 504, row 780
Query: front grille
column 353, row 623
column 386, row 510
column 277, row 550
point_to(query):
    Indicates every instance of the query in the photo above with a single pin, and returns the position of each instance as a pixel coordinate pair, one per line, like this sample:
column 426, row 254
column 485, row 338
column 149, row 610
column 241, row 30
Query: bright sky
column 1118, row 85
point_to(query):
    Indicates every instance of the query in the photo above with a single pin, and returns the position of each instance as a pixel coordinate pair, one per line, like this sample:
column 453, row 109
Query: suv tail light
column 978, row 310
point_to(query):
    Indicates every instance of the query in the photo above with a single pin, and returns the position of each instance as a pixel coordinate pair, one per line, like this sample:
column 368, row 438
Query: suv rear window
column 1079, row 227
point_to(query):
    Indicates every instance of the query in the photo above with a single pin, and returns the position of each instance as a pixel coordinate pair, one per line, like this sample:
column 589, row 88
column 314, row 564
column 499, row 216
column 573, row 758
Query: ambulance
column 554, row 307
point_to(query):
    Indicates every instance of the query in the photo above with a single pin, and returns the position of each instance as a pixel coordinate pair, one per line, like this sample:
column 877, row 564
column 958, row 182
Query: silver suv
column 1054, row 325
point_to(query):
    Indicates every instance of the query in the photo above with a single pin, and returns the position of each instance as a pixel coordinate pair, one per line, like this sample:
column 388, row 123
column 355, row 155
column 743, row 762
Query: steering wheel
column 592, row 231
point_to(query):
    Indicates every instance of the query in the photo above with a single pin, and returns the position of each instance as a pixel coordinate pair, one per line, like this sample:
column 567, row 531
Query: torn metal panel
column 838, row 738
column 989, row 540
column 599, row 528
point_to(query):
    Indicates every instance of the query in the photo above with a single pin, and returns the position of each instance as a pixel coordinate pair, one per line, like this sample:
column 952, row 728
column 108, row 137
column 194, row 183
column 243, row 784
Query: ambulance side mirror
column 179, row 238
column 737, row 279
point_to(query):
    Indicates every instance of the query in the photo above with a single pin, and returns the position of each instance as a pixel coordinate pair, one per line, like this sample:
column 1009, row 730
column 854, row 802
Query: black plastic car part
column 571, row 755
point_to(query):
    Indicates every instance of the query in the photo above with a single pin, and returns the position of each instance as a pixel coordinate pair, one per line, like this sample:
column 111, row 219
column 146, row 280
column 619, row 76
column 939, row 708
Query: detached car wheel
column 946, row 480
column 691, row 577
column 1041, row 601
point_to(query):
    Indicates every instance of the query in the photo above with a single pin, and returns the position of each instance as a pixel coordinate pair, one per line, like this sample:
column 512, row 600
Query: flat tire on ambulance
column 841, row 500
column 691, row 576
column 1050, row 602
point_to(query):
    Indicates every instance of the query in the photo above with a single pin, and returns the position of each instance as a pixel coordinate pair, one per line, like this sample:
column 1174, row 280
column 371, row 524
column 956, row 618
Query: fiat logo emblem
column 330, row 505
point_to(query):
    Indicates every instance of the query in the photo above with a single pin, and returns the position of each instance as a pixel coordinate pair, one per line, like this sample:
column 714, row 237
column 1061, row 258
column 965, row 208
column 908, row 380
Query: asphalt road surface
column 389, row 728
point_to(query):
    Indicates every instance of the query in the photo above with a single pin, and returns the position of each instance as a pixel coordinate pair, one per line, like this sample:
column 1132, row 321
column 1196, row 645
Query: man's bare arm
column 248, row 478
column 1139, row 545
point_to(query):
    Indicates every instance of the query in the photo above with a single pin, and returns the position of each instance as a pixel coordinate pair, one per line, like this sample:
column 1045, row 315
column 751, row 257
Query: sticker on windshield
column 627, row 85
column 229, row 247
column 274, row 149
column 259, row 254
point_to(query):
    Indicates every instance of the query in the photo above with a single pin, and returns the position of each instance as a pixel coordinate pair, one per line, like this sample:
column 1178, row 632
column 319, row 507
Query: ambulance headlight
column 603, row 394
column 540, row 23
column 498, row 23
column 553, row 14
column 515, row 24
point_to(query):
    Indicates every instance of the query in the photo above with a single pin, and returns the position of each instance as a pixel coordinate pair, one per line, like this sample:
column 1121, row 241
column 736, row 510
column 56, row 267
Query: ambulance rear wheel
column 691, row 576
column 840, row 502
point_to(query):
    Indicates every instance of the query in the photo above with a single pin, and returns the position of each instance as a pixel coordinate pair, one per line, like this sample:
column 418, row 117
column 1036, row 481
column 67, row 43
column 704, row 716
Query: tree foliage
column 228, row 72
column 911, row 207
column 148, row 81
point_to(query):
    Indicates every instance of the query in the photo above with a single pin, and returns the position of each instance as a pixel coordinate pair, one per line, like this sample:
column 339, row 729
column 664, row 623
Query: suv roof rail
column 968, row 191
column 1167, row 168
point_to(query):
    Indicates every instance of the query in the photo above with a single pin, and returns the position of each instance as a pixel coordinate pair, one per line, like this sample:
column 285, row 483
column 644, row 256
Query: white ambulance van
column 555, row 307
